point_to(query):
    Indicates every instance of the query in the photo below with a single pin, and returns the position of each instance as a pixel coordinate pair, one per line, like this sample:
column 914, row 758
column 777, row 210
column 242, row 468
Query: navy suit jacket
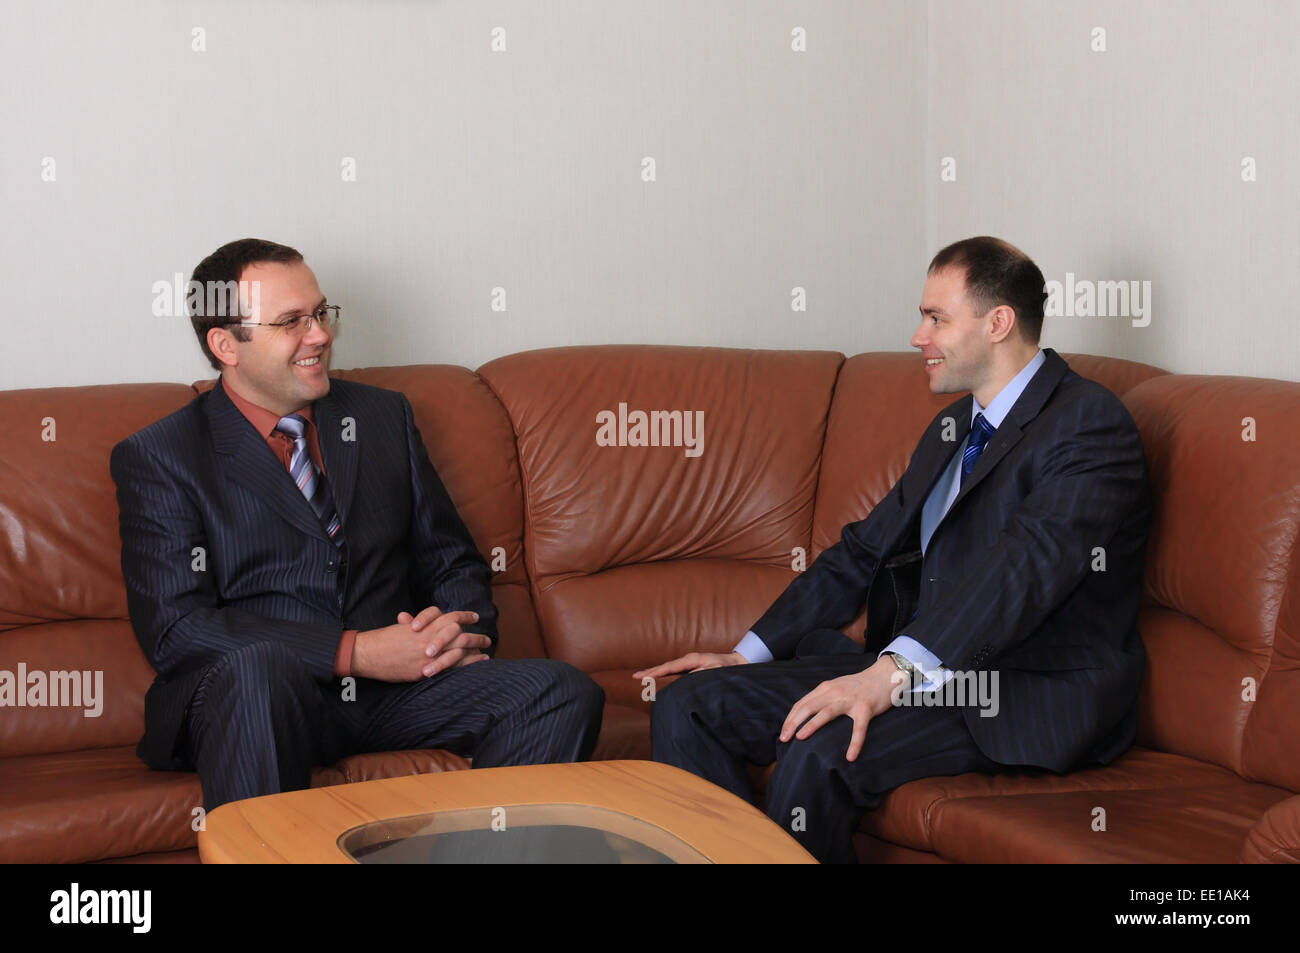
column 1011, row 580
column 220, row 549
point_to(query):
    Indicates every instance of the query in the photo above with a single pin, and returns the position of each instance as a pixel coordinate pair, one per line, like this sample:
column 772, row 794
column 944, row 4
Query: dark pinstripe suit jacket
column 1007, row 581
column 203, row 479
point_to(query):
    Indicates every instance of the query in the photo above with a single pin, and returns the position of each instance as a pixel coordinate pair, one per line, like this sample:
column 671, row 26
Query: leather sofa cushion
column 1206, row 825
column 60, row 553
column 87, row 805
column 637, row 616
column 624, row 735
column 106, row 646
column 1191, row 699
column 748, row 495
column 1223, row 554
column 90, row 805
column 906, row 815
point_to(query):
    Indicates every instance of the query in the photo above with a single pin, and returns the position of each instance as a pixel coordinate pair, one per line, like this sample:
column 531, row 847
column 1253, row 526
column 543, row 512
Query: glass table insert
column 517, row 834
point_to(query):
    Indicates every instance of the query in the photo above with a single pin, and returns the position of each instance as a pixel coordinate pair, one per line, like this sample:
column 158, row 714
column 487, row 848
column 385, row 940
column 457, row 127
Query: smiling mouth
column 308, row 361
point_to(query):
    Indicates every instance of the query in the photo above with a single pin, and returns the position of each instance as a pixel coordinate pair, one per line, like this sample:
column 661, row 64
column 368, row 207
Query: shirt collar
column 264, row 421
column 1001, row 405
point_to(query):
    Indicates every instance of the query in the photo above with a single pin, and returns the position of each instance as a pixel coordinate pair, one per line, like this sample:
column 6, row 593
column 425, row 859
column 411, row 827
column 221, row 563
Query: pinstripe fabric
column 1008, row 580
column 222, row 554
column 259, row 722
column 712, row 722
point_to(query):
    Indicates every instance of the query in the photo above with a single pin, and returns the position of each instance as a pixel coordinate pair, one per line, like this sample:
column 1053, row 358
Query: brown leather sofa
column 618, row 557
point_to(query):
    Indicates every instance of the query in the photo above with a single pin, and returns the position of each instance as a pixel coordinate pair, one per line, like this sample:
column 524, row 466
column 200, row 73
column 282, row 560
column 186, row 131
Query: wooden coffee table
column 597, row 811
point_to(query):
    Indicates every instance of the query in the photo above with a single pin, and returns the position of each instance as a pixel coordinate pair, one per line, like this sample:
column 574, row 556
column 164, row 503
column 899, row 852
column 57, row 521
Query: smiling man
column 297, row 574
column 1009, row 554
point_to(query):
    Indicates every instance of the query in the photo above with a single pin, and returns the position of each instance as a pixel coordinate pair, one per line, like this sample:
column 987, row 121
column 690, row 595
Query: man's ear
column 1002, row 322
column 222, row 344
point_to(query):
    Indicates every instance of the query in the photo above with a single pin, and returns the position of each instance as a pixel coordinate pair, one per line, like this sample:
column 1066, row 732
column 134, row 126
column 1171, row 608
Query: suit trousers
column 259, row 722
column 710, row 723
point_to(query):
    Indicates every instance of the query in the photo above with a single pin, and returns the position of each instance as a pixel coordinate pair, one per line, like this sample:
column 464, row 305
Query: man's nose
column 318, row 335
column 920, row 338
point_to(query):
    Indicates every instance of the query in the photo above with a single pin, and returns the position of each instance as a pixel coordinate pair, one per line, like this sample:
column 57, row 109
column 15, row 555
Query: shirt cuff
column 753, row 648
column 343, row 657
column 925, row 661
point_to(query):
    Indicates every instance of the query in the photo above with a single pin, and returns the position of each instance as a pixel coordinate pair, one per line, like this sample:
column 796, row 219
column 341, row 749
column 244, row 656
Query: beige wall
column 1127, row 165
column 522, row 169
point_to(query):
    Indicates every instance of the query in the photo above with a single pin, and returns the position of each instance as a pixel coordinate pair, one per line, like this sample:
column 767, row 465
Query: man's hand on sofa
column 692, row 662
column 861, row 696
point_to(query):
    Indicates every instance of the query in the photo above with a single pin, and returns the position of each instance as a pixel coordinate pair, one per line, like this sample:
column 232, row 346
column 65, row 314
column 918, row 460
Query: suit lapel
column 933, row 458
column 1025, row 409
column 338, row 455
column 249, row 462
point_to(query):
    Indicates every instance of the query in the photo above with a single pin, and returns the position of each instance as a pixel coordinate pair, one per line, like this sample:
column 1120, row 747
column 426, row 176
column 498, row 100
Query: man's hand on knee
column 861, row 696
column 449, row 646
column 401, row 653
column 692, row 662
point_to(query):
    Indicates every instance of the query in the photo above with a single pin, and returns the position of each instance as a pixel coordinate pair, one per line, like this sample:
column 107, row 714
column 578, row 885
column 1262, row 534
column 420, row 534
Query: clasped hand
column 448, row 645
column 418, row 646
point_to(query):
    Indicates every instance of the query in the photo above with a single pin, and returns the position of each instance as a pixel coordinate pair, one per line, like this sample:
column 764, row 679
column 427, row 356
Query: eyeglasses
column 327, row 316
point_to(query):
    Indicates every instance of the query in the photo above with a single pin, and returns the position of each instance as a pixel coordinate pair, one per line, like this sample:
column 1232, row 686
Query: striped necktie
column 979, row 436
column 309, row 479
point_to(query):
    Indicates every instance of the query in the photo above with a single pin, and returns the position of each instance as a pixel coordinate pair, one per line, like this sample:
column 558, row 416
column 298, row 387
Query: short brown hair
column 998, row 273
column 222, row 269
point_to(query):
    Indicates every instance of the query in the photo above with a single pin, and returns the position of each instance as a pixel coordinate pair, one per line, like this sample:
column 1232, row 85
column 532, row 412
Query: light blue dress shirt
column 932, row 513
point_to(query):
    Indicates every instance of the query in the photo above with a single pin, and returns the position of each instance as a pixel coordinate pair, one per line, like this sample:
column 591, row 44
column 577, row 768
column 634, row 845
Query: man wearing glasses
column 297, row 574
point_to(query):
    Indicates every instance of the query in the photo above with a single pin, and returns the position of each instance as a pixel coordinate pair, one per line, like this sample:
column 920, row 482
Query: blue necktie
column 979, row 436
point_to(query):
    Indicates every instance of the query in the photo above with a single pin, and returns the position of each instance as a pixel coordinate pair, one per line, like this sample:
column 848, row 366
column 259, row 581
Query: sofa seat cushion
column 625, row 729
column 80, row 806
column 906, row 815
column 1202, row 825
column 624, row 735
column 388, row 764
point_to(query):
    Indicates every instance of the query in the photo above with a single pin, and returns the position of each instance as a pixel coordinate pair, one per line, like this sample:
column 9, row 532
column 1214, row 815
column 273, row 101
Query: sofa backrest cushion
column 472, row 446
column 62, row 598
column 723, row 485
column 1222, row 625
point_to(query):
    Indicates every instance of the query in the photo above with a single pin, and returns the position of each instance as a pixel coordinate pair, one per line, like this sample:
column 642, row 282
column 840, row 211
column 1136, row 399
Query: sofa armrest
column 1276, row 838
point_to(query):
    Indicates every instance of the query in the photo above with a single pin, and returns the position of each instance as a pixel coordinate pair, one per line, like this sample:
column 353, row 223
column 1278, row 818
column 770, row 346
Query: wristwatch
column 903, row 664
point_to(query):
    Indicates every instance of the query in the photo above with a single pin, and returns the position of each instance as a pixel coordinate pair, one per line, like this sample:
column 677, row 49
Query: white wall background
column 522, row 169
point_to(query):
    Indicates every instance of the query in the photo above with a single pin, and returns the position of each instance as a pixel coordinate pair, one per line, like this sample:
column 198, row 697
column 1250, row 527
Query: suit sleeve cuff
column 343, row 657
column 753, row 648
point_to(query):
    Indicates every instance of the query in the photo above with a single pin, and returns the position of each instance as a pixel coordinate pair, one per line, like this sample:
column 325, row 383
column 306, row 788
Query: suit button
column 332, row 565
